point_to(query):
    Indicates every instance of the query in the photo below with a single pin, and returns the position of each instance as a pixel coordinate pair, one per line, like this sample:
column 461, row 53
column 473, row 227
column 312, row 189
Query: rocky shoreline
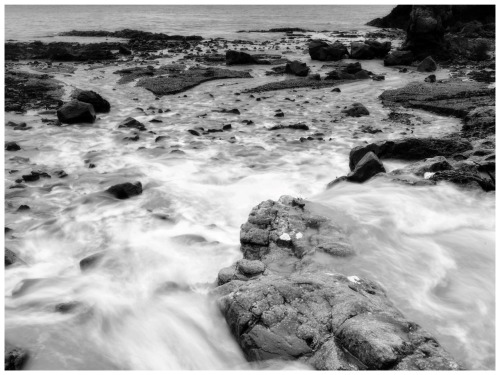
column 280, row 301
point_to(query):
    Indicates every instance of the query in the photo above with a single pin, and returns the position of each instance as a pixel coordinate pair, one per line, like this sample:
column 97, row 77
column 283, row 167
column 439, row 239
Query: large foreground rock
column 366, row 168
column 301, row 309
column 322, row 51
column 76, row 112
column 297, row 68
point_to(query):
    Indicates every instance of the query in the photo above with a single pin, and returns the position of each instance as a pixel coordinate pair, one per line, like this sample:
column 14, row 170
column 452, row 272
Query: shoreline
column 164, row 64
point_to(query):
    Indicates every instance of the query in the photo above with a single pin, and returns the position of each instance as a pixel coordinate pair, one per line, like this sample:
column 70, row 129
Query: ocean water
column 147, row 305
column 32, row 22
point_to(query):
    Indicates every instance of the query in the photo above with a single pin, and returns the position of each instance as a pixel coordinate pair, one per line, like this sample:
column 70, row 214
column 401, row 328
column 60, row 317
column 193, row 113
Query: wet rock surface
column 15, row 357
column 305, row 311
column 125, row 190
column 76, row 112
column 100, row 104
column 185, row 80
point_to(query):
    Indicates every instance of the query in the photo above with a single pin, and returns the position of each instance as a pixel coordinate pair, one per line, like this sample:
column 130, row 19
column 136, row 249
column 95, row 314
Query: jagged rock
column 132, row 123
column 100, row 104
column 479, row 122
column 366, row 168
column 399, row 58
column 356, row 110
column 427, row 65
column 322, row 51
column 15, row 357
column 125, row 190
column 76, row 111
column 302, row 310
column 297, row 68
column 124, row 50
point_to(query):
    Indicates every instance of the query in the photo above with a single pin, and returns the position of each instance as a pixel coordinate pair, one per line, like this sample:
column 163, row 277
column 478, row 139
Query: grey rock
column 76, row 112
column 427, row 65
column 356, row 110
column 366, row 168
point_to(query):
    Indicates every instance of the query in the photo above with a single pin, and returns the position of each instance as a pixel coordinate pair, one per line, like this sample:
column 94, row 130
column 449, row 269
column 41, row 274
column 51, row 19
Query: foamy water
column 147, row 305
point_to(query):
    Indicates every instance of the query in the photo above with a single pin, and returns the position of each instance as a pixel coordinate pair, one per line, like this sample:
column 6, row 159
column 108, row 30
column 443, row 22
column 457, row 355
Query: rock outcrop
column 15, row 357
column 297, row 68
column 292, row 307
column 125, row 190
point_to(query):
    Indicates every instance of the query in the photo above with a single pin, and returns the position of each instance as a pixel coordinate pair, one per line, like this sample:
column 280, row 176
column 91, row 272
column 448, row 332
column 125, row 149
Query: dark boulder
column 91, row 261
column 100, row 104
column 411, row 149
column 297, row 68
column 12, row 146
column 369, row 49
column 125, row 190
column 75, row 112
column 132, row 123
column 366, row 168
column 239, row 58
column 399, row 58
column 425, row 33
column 427, row 65
column 430, row 79
column 15, row 357
column 356, row 110
column 322, row 51
column 465, row 178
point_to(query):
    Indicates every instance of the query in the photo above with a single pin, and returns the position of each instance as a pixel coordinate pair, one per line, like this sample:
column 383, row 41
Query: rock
column 35, row 176
column 10, row 257
column 369, row 49
column 75, row 112
column 23, row 207
column 356, row 110
column 124, row 50
column 336, row 89
column 431, row 78
column 12, row 146
column 91, row 261
column 250, row 267
column 297, row 68
column 194, row 132
column 399, row 18
column 426, row 29
column 240, row 58
column 411, row 149
column 452, row 97
column 420, row 168
column 66, row 307
column 322, row 51
column 366, row 168
column 479, row 122
column 100, row 104
column 399, row 58
column 125, row 190
column 427, row 65
column 132, row 123
column 299, row 309
column 464, row 178
column 15, row 357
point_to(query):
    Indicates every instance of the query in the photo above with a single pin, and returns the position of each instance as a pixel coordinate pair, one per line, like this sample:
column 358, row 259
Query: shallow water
column 147, row 305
